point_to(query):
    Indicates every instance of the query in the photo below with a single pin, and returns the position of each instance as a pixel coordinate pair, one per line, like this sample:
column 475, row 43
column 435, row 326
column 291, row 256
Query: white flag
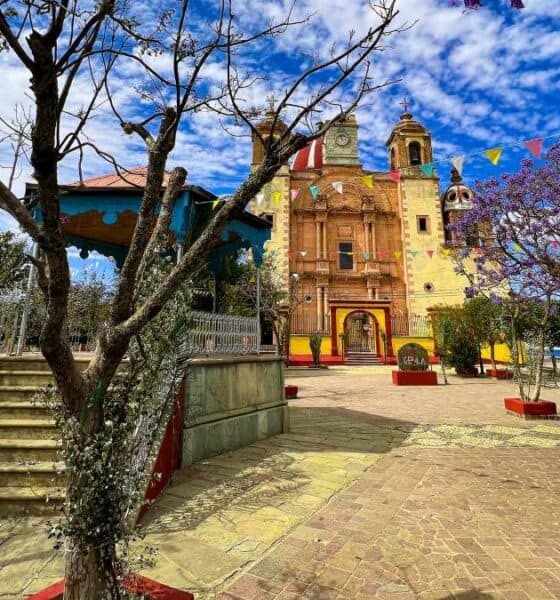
column 458, row 162
column 260, row 198
column 337, row 185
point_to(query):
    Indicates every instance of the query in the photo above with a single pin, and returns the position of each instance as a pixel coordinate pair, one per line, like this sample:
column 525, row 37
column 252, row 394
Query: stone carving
column 412, row 357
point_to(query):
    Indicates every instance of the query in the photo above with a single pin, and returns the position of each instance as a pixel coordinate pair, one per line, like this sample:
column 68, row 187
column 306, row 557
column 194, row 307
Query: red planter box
column 135, row 583
column 500, row 373
column 414, row 378
column 530, row 409
column 291, row 391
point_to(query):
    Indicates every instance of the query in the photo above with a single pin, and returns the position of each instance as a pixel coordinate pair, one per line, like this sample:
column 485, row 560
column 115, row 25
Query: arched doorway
column 361, row 333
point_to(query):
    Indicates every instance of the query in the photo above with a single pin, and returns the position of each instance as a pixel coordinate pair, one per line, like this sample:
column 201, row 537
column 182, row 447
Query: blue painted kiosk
column 99, row 214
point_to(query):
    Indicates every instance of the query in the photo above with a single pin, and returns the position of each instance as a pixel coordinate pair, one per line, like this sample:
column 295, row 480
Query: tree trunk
column 535, row 395
column 493, row 355
column 85, row 576
column 554, row 362
column 481, row 362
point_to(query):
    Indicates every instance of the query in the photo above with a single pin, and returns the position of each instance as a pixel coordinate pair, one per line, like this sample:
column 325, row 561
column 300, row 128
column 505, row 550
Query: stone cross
column 405, row 103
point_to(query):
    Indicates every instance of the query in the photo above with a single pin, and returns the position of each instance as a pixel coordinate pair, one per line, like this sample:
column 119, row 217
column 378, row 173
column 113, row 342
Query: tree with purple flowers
column 517, row 221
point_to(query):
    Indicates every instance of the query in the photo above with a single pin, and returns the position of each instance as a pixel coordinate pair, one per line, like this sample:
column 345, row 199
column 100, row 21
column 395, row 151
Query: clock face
column 342, row 139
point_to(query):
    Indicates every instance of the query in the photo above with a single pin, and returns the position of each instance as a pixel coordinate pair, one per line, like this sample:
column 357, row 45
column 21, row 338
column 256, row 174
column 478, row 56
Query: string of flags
column 381, row 254
column 534, row 146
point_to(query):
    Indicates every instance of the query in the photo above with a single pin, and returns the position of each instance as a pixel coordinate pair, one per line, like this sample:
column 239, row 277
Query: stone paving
column 377, row 492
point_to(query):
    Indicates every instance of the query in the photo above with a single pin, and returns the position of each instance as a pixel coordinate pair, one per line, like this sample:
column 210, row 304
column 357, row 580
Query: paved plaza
column 377, row 492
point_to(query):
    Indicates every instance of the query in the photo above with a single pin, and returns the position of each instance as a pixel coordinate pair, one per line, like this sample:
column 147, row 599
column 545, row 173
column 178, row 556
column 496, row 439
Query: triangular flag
column 215, row 203
column 430, row 253
column 445, row 251
column 277, row 196
column 395, row 175
column 368, row 180
column 314, row 189
column 517, row 247
column 414, row 253
column 382, row 254
column 477, row 250
column 365, row 255
column 534, row 147
column 427, row 169
column 493, row 155
column 464, row 252
column 555, row 244
column 517, row 4
column 397, row 254
column 337, row 185
column 303, row 252
column 294, row 194
column 260, row 198
column 458, row 162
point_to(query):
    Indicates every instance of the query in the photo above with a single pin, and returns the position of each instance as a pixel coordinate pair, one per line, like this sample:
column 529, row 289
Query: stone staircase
column 31, row 474
column 362, row 359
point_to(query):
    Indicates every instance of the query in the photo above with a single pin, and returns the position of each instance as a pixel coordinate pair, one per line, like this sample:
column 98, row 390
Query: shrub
column 315, row 345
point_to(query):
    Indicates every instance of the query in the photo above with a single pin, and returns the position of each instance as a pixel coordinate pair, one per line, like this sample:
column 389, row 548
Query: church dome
column 457, row 196
column 310, row 157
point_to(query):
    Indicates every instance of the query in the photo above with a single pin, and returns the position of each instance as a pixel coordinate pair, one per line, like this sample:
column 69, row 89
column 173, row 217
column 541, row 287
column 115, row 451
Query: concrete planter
column 137, row 584
column 414, row 377
column 530, row 410
column 500, row 373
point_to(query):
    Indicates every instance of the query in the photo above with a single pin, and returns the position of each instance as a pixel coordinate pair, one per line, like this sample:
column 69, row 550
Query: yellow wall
column 420, row 196
column 501, row 353
column 299, row 345
column 425, row 342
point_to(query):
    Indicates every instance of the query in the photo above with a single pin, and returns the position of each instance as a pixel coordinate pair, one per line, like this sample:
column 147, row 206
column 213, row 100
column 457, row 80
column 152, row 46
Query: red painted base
column 137, row 584
column 530, row 409
column 500, row 373
column 414, row 378
column 304, row 360
column 290, row 391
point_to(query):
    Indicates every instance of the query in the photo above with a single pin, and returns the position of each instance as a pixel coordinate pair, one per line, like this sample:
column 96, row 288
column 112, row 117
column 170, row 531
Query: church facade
column 364, row 255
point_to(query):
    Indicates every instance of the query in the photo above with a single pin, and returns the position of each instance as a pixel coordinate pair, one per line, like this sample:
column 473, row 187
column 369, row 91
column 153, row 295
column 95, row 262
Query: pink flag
column 555, row 244
column 534, row 147
column 294, row 194
column 395, row 175
column 430, row 253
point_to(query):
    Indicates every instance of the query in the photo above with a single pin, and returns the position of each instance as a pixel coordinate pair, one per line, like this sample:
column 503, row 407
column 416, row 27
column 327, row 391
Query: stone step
column 25, row 378
column 31, row 474
column 19, row 501
column 18, row 393
column 13, row 451
column 29, row 429
column 34, row 363
column 23, row 409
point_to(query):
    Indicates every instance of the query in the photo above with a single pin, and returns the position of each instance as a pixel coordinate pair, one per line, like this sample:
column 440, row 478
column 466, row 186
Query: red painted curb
column 153, row 590
column 500, row 373
column 539, row 409
column 414, row 377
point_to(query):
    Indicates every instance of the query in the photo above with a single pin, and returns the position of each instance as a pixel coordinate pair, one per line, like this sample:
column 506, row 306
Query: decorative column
column 325, row 308
column 318, row 235
column 366, row 240
column 370, row 293
column 319, row 308
column 324, row 227
column 389, row 332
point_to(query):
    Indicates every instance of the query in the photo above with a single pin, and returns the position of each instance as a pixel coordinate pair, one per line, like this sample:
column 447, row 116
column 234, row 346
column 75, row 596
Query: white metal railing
column 209, row 333
column 413, row 325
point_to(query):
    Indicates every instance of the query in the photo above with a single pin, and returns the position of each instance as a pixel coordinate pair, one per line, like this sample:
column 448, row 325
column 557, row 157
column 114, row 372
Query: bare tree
column 62, row 43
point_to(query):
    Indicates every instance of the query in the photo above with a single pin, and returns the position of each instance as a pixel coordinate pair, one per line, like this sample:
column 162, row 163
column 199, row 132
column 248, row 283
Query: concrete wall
column 232, row 402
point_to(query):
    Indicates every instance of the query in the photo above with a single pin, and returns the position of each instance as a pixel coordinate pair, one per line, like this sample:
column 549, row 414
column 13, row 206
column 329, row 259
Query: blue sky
column 476, row 79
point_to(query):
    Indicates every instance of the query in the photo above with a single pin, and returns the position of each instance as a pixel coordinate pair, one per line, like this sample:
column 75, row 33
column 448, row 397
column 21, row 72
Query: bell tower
column 430, row 277
column 410, row 143
column 341, row 143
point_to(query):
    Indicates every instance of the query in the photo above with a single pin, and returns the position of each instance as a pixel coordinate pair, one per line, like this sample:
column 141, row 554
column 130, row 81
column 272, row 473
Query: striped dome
column 310, row 157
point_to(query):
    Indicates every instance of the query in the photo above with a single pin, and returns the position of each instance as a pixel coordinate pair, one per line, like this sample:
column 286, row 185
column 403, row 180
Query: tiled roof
column 129, row 178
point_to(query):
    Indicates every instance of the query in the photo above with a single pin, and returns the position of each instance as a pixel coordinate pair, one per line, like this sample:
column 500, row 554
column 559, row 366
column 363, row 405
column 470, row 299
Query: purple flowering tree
column 516, row 220
column 474, row 4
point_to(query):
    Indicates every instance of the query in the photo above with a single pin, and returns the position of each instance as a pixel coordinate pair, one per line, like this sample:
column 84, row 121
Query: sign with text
column 412, row 357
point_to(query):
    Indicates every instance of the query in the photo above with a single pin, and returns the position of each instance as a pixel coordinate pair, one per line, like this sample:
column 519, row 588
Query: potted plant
column 315, row 342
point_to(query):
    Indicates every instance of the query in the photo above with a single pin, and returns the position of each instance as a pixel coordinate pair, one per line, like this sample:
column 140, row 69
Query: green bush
column 462, row 351
column 315, row 341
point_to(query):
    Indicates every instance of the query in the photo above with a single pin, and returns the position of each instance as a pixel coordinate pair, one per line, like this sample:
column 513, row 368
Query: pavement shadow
column 272, row 471
column 469, row 595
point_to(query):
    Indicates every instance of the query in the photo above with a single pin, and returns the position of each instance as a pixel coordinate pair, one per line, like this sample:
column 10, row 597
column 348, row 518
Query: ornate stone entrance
column 360, row 332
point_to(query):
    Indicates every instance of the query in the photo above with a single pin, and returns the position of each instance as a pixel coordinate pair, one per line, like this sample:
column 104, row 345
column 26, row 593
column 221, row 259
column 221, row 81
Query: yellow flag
column 368, row 180
column 517, row 247
column 397, row 254
column 277, row 196
column 445, row 251
column 215, row 203
column 493, row 155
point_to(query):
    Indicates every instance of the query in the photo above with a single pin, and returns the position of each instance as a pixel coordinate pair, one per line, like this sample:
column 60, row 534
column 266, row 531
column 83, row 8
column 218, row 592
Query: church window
column 393, row 159
column 415, row 153
column 346, row 256
column 423, row 222
column 429, row 287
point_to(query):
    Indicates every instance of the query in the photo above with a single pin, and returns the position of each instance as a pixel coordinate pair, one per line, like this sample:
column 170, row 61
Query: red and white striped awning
column 310, row 157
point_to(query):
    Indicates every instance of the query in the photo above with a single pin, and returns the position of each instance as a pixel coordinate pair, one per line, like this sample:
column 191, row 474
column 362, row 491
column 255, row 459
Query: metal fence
column 307, row 323
column 209, row 333
column 411, row 325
